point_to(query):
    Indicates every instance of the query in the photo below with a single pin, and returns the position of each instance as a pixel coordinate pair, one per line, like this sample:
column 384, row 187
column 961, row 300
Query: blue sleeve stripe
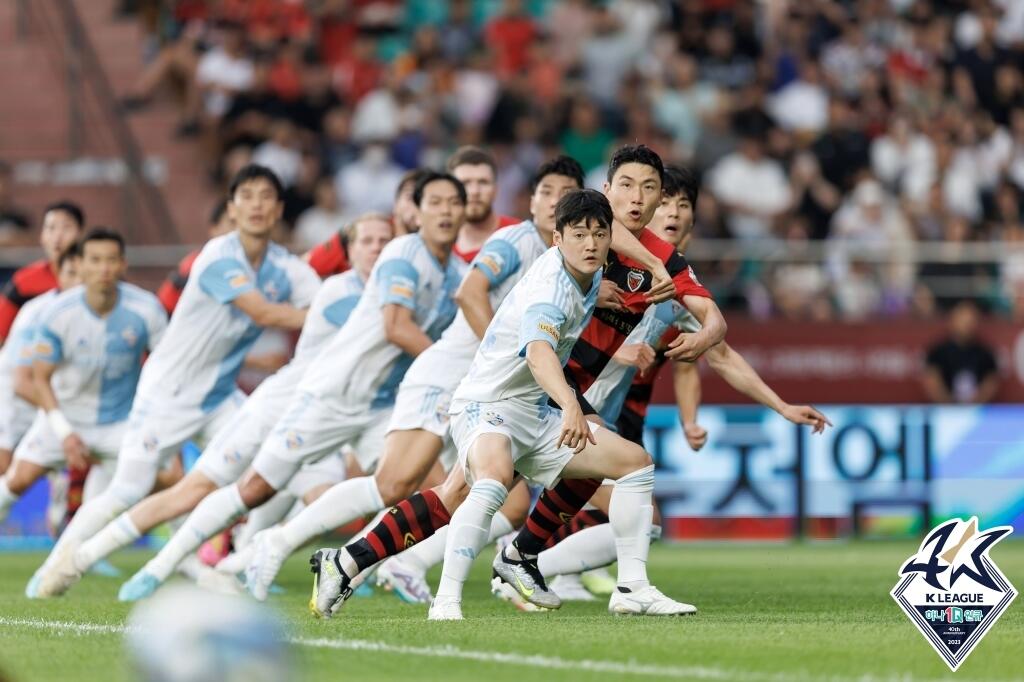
column 541, row 322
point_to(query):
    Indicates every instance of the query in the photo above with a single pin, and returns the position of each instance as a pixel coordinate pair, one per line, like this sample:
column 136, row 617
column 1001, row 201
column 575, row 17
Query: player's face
column 480, row 190
column 405, row 211
column 673, row 221
column 634, row 194
column 584, row 246
column 549, row 190
column 59, row 232
column 68, row 275
column 255, row 207
column 102, row 264
column 368, row 241
column 441, row 213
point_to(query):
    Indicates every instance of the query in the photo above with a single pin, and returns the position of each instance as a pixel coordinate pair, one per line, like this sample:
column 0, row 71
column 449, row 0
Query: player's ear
column 606, row 187
column 556, row 238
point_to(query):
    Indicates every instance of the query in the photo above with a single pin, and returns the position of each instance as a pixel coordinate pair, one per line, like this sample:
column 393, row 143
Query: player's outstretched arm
column 734, row 368
column 686, row 381
column 689, row 347
column 547, row 370
column 75, row 450
column 267, row 314
column 474, row 301
column 401, row 329
column 626, row 244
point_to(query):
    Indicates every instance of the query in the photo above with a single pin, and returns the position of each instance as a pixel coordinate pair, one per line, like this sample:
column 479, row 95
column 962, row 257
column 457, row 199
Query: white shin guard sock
column 115, row 535
column 212, row 515
column 264, row 516
column 425, row 555
column 589, row 548
column 630, row 514
column 467, row 535
column 344, row 502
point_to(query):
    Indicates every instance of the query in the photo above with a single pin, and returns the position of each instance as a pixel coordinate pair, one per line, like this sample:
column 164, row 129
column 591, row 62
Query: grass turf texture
column 768, row 612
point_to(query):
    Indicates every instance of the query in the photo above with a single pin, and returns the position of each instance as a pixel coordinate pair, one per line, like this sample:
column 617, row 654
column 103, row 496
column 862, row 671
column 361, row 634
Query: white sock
column 344, row 502
column 425, row 555
column 89, row 520
column 589, row 548
column 212, row 515
column 7, row 499
column 470, row 526
column 115, row 535
column 630, row 513
column 264, row 516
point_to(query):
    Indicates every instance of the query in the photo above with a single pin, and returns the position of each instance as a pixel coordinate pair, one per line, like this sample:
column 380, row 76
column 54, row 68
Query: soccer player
column 477, row 170
column 502, row 422
column 170, row 290
column 240, row 283
column 418, row 432
column 622, row 393
column 233, row 447
column 16, row 382
column 62, row 226
column 345, row 396
column 87, row 355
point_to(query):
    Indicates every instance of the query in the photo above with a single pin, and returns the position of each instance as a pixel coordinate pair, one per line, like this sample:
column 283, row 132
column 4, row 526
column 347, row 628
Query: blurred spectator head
column 869, row 197
column 964, row 319
column 635, row 178
column 63, row 223
column 365, row 238
column 477, row 170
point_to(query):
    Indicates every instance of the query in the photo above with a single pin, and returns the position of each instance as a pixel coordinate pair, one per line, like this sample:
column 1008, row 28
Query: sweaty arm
column 626, row 244
column 732, row 367
column 267, row 314
column 690, row 346
column 474, row 300
column 401, row 329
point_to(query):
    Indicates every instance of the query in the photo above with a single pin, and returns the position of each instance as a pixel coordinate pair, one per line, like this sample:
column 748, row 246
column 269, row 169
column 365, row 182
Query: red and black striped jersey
column 329, row 258
column 170, row 290
column 25, row 284
column 608, row 329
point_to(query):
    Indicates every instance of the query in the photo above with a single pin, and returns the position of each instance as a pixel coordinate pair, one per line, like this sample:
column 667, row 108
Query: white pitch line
column 497, row 657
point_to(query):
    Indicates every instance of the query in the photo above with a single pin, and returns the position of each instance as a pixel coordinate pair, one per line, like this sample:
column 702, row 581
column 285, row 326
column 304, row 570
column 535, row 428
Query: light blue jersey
column 98, row 359
column 359, row 368
column 546, row 305
column 208, row 337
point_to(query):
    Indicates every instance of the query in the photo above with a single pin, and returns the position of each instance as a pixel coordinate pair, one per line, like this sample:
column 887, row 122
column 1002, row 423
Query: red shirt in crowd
column 26, row 283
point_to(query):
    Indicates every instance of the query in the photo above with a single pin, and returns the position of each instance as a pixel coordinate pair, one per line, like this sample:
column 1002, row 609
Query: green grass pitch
column 768, row 612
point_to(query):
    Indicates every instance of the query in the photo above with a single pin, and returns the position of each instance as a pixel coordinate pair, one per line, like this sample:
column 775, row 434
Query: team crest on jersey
column 693, row 275
column 270, row 291
column 952, row 590
column 293, row 440
column 493, row 418
column 549, row 329
column 634, row 280
column 129, row 336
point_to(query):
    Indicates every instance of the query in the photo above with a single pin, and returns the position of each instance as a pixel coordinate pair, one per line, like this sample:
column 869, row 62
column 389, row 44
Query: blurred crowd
column 842, row 137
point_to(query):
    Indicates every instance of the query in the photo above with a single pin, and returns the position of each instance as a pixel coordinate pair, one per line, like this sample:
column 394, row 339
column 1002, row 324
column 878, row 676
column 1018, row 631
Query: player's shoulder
column 340, row 284
column 512, row 234
column 407, row 247
column 66, row 303
column 140, row 299
column 218, row 248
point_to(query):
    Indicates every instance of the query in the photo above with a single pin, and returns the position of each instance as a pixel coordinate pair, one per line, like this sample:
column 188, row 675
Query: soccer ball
column 186, row 634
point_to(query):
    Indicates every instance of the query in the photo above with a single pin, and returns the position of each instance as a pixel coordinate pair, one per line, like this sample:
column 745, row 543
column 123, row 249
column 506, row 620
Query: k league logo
column 952, row 590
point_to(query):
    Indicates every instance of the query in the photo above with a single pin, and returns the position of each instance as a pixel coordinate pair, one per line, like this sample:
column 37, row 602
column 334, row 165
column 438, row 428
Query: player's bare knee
column 517, row 505
column 255, row 490
column 629, row 459
column 393, row 489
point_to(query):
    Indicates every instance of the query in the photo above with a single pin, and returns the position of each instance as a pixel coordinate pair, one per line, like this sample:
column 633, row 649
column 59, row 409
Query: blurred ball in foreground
column 186, row 634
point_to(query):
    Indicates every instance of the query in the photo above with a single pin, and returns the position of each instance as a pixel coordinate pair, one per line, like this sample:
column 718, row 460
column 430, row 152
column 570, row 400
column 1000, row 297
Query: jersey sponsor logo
column 42, row 348
column 549, row 329
column 951, row 589
column 491, row 262
column 693, row 275
column 237, row 279
column 635, row 280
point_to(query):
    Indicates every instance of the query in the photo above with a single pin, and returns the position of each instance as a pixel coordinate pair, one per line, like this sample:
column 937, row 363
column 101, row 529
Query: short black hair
column 410, row 177
column 254, row 171
column 102, row 234
column 560, row 165
column 583, row 204
column 69, row 207
column 217, row 214
column 433, row 176
column 73, row 251
column 471, row 156
column 636, row 153
column 681, row 180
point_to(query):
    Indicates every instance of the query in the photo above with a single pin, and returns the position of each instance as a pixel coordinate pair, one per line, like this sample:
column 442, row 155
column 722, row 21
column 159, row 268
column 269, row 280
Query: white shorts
column 532, row 429
column 41, row 445
column 326, row 471
column 425, row 406
column 311, row 429
column 157, row 429
column 16, row 417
